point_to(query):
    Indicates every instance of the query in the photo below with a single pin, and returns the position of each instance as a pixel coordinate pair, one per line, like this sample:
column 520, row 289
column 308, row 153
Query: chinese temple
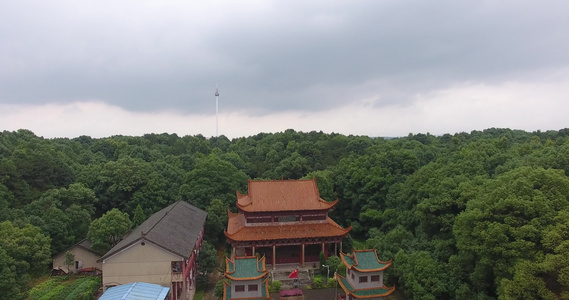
column 284, row 220
column 364, row 275
column 248, row 279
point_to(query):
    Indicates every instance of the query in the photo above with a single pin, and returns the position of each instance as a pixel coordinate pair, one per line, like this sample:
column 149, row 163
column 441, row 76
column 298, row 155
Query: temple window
column 239, row 288
column 314, row 218
column 353, row 277
column 363, row 279
column 253, row 288
column 288, row 219
column 259, row 220
column 374, row 278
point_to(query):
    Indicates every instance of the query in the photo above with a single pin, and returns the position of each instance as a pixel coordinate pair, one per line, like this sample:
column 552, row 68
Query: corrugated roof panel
column 136, row 291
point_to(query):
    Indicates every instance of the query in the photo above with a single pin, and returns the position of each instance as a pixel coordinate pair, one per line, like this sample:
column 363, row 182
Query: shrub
column 218, row 289
column 322, row 262
column 317, row 282
column 331, row 283
column 202, row 282
column 342, row 270
column 199, row 294
column 275, row 286
column 334, row 262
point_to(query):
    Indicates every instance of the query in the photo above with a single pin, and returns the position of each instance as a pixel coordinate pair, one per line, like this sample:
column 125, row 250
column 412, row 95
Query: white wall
column 369, row 284
column 246, row 293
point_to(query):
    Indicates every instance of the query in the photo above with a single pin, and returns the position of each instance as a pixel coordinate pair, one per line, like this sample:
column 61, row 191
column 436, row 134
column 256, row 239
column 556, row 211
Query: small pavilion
column 364, row 275
column 248, row 279
column 285, row 221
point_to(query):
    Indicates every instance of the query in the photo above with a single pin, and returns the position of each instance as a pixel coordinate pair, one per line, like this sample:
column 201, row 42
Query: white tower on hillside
column 216, row 108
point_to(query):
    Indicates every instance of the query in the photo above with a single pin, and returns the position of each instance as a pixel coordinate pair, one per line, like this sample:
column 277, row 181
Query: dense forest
column 480, row 215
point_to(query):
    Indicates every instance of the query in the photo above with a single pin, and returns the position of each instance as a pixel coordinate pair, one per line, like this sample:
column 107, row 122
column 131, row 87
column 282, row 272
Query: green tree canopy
column 23, row 252
column 508, row 220
column 139, row 216
column 106, row 231
column 213, row 176
column 207, row 259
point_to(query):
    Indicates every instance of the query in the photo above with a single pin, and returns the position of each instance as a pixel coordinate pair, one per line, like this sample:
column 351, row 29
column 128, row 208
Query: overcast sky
column 377, row 68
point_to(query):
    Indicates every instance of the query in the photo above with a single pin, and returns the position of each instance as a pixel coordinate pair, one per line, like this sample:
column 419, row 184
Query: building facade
column 364, row 275
column 162, row 250
column 85, row 258
column 248, row 277
column 285, row 221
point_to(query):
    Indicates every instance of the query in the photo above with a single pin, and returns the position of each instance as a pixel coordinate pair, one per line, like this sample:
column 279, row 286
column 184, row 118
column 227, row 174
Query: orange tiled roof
column 237, row 231
column 282, row 195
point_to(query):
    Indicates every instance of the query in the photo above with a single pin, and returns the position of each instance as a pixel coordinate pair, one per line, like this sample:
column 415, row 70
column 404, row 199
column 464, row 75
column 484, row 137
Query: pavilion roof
column 237, row 231
column 282, row 195
column 364, row 261
column 364, row 293
column 245, row 268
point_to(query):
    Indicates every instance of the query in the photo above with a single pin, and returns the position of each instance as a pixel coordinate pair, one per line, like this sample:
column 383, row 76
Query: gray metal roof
column 175, row 228
column 84, row 243
column 136, row 291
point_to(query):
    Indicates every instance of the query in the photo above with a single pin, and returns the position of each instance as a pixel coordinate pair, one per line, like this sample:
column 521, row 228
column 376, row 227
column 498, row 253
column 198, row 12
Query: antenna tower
column 216, row 108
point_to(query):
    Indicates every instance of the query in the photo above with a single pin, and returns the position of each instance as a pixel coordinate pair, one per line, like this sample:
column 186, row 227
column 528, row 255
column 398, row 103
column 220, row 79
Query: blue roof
column 136, row 291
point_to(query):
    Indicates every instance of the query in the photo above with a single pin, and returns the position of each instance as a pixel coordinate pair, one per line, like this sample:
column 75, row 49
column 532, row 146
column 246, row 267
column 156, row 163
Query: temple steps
column 281, row 273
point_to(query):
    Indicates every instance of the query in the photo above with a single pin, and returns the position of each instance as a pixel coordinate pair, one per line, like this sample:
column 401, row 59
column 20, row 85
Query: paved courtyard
column 329, row 294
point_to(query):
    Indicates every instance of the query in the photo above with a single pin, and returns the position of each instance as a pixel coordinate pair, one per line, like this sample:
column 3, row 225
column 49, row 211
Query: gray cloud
column 270, row 56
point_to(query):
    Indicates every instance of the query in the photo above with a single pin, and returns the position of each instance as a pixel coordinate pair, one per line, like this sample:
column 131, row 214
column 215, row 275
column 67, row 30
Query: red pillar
column 274, row 256
column 302, row 255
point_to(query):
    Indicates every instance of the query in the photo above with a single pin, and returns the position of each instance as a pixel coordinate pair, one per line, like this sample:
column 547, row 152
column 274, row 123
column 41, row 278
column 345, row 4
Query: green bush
column 218, row 289
column 342, row 270
column 275, row 286
column 331, row 283
column 334, row 262
column 317, row 282
column 322, row 262
column 199, row 294
column 202, row 282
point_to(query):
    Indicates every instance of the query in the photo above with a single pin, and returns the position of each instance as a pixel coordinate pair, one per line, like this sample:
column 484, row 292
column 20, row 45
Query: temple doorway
column 312, row 253
column 288, row 254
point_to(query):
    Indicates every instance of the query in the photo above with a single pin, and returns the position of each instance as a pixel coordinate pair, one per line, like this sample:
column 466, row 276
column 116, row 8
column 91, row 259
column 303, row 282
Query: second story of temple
column 282, row 202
